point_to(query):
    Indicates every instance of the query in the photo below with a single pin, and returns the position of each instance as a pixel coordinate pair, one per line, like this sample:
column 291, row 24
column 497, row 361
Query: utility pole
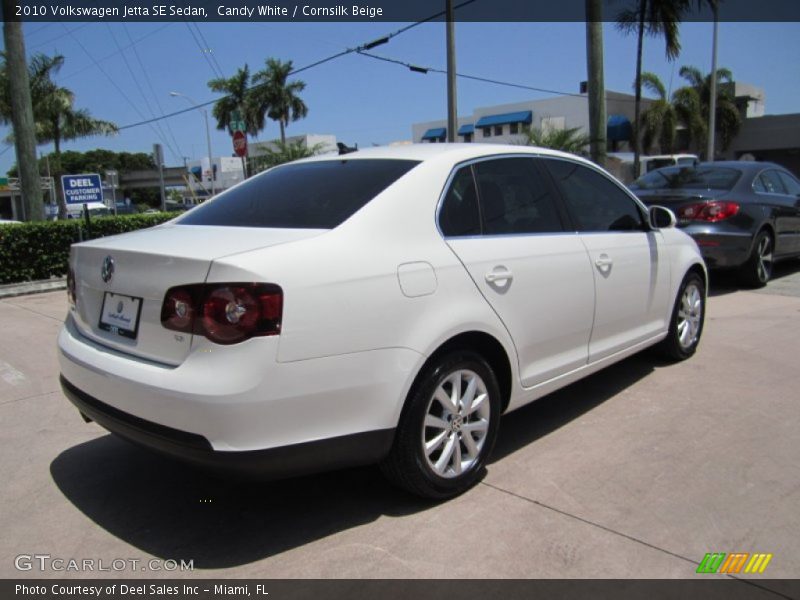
column 452, row 111
column 712, row 104
column 22, row 115
column 596, row 84
column 158, row 157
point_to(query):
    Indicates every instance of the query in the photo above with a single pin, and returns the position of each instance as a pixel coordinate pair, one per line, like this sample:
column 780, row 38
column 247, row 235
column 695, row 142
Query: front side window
column 312, row 195
column 515, row 198
column 459, row 214
column 595, row 202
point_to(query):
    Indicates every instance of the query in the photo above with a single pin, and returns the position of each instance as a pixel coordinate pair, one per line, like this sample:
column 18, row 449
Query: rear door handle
column 497, row 275
column 603, row 261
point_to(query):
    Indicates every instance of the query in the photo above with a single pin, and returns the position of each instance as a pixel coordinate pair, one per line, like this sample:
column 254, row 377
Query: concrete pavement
column 637, row 471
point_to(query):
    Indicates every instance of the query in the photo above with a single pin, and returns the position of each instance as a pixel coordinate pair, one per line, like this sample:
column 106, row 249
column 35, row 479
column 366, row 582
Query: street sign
column 82, row 189
column 236, row 121
column 239, row 143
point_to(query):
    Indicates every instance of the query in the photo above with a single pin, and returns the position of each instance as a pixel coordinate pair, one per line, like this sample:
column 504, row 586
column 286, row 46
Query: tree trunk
column 637, row 107
column 597, row 92
column 22, row 117
column 283, row 131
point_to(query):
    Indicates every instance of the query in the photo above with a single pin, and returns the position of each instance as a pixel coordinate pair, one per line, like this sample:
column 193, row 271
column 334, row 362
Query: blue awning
column 437, row 133
column 523, row 116
column 466, row 129
column 619, row 129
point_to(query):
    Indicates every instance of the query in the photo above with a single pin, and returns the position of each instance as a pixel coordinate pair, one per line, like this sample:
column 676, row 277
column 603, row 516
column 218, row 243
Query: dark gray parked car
column 744, row 215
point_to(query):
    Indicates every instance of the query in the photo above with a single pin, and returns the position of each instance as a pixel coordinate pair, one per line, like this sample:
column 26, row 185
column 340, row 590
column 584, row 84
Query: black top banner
column 370, row 10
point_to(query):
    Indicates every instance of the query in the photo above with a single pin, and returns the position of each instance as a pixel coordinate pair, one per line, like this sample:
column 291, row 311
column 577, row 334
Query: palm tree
column 237, row 97
column 692, row 106
column 55, row 117
column 659, row 120
column 275, row 97
column 566, row 140
column 654, row 18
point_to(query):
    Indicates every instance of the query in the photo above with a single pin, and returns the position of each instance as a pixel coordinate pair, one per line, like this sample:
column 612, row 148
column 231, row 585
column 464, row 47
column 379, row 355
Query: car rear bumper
column 227, row 404
column 286, row 461
column 722, row 249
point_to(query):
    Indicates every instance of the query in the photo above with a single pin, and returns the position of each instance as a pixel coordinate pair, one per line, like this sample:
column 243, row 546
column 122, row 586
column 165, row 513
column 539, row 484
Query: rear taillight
column 710, row 212
column 71, row 298
column 225, row 313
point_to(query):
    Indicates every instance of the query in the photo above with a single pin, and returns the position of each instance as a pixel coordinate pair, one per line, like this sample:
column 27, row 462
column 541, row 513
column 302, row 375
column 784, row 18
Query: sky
column 124, row 72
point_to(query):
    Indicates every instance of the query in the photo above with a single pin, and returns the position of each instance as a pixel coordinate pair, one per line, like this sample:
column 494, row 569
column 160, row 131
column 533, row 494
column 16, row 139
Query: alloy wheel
column 690, row 316
column 456, row 424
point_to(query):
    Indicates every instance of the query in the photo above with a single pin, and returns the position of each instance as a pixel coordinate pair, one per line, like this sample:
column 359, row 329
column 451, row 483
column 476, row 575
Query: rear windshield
column 314, row 195
column 676, row 178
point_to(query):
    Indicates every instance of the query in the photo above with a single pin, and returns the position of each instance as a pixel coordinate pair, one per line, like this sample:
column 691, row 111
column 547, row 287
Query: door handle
column 497, row 276
column 603, row 261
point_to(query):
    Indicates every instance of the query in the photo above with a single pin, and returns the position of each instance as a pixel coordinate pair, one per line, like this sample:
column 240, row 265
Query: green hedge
column 33, row 251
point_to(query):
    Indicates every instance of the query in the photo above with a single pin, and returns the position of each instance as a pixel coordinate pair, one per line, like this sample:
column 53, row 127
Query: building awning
column 619, row 129
column 437, row 133
column 523, row 116
column 466, row 129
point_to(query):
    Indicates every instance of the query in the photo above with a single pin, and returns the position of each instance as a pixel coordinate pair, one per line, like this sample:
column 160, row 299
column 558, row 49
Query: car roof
column 457, row 152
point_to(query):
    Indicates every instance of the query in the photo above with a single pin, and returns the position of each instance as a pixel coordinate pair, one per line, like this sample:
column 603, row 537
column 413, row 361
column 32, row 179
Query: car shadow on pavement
column 727, row 281
column 555, row 410
column 169, row 510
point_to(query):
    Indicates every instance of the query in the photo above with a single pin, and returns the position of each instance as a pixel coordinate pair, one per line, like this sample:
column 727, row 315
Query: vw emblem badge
column 107, row 270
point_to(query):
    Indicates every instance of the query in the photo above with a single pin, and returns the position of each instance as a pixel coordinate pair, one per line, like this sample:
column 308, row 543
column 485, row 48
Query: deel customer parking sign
column 82, row 189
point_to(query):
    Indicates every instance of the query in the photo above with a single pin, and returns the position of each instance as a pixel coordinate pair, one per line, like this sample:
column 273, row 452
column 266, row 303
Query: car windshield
column 312, row 195
column 676, row 178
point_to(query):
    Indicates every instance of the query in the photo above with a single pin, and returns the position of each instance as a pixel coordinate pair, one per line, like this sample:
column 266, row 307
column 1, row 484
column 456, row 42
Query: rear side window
column 595, row 202
column 771, row 183
column 315, row 195
column 515, row 198
column 459, row 215
column 790, row 183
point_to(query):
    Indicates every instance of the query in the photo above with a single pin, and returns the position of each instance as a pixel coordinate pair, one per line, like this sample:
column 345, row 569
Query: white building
column 507, row 123
column 226, row 171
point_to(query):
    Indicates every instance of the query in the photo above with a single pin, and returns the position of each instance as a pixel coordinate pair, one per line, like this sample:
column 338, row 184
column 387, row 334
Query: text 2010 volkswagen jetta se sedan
column 384, row 306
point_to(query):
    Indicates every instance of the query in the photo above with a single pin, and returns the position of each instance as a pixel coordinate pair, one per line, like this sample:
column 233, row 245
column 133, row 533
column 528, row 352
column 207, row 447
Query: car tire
column 757, row 271
column 446, row 433
column 688, row 317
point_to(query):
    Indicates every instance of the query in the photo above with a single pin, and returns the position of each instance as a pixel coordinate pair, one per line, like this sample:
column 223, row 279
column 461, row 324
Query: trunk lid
column 146, row 264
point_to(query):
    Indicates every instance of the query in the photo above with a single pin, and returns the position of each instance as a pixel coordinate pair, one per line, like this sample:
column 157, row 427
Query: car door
column 631, row 268
column 502, row 220
column 771, row 190
column 793, row 191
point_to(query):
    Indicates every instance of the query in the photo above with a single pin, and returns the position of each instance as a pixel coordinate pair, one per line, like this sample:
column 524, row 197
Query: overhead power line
column 425, row 70
column 361, row 47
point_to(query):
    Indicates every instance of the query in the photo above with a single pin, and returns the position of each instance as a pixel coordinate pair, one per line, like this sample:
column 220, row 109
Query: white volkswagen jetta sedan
column 382, row 307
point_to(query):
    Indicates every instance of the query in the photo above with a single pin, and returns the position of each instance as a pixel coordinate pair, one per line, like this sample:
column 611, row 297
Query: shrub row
column 40, row 250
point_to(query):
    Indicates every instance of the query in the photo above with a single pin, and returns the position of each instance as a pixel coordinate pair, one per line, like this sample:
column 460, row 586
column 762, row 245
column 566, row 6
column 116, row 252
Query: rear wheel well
column 486, row 346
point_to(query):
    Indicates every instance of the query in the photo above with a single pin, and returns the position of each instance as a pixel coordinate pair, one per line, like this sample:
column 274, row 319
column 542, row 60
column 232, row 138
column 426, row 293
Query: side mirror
column 662, row 217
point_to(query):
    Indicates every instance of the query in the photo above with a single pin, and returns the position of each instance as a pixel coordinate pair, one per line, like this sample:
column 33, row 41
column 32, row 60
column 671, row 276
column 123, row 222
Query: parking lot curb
column 32, row 287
